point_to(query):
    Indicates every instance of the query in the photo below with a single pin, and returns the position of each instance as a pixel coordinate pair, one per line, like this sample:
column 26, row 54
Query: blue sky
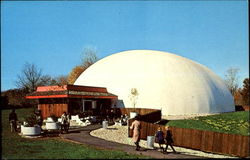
column 52, row 34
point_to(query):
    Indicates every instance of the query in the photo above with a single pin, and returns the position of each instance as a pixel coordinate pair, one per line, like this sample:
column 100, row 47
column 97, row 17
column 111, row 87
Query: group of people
column 159, row 136
column 13, row 120
column 64, row 123
column 124, row 120
column 135, row 126
column 161, row 139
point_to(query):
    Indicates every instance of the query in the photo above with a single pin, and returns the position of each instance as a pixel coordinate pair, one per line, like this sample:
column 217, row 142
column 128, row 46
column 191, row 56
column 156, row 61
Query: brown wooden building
column 73, row 99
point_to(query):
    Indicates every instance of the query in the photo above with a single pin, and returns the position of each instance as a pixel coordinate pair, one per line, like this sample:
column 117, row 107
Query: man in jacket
column 13, row 121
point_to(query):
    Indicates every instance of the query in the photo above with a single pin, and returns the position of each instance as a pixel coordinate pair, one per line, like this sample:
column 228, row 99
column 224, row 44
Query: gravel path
column 119, row 134
column 177, row 117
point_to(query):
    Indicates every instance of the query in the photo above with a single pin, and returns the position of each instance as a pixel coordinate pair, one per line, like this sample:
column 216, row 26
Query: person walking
column 111, row 116
column 39, row 118
column 68, row 123
column 159, row 138
column 136, row 127
column 169, row 140
column 65, row 122
column 13, row 121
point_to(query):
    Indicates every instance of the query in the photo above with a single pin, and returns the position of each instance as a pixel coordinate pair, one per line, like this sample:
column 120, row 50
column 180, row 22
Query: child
column 159, row 138
column 169, row 140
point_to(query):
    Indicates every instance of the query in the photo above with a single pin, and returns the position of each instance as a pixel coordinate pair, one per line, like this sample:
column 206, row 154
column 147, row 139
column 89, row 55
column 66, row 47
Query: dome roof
column 174, row 84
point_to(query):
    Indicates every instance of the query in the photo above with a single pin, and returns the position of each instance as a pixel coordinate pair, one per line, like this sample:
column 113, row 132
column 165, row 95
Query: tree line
column 241, row 95
column 31, row 77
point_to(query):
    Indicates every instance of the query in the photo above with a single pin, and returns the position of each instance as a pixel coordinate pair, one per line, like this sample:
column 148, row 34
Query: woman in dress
column 136, row 127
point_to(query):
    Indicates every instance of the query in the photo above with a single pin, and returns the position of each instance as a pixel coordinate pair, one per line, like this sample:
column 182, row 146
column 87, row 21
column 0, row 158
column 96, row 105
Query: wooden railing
column 152, row 117
column 141, row 111
column 231, row 144
column 215, row 142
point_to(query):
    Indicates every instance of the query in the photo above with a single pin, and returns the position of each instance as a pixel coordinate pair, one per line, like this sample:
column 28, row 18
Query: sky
column 53, row 34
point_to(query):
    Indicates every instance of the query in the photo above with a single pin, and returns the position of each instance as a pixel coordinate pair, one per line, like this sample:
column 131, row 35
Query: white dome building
column 174, row 84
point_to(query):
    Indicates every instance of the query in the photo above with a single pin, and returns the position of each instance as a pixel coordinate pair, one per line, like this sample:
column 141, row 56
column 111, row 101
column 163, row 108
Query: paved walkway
column 82, row 135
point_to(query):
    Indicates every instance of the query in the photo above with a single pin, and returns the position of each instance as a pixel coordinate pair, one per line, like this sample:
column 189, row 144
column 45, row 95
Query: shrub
column 31, row 120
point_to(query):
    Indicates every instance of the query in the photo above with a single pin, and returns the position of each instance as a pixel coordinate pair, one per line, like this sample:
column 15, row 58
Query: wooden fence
column 152, row 117
column 208, row 141
column 52, row 109
column 147, row 115
column 141, row 111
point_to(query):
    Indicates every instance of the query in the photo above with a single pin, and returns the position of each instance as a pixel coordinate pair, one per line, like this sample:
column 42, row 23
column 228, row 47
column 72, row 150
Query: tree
column 134, row 96
column 60, row 80
column 75, row 73
column 238, row 97
column 245, row 92
column 16, row 98
column 231, row 79
column 89, row 57
column 45, row 80
column 29, row 78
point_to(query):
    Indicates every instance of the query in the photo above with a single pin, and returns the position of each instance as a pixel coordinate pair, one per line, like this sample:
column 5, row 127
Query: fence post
column 245, row 147
column 207, row 141
column 225, row 142
column 217, row 142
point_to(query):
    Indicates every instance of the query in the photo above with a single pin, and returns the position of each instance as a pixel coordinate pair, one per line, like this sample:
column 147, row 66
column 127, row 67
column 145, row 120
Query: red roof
column 70, row 91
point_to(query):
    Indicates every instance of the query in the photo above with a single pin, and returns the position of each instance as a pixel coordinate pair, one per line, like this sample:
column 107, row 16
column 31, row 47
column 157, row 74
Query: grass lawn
column 232, row 123
column 16, row 147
